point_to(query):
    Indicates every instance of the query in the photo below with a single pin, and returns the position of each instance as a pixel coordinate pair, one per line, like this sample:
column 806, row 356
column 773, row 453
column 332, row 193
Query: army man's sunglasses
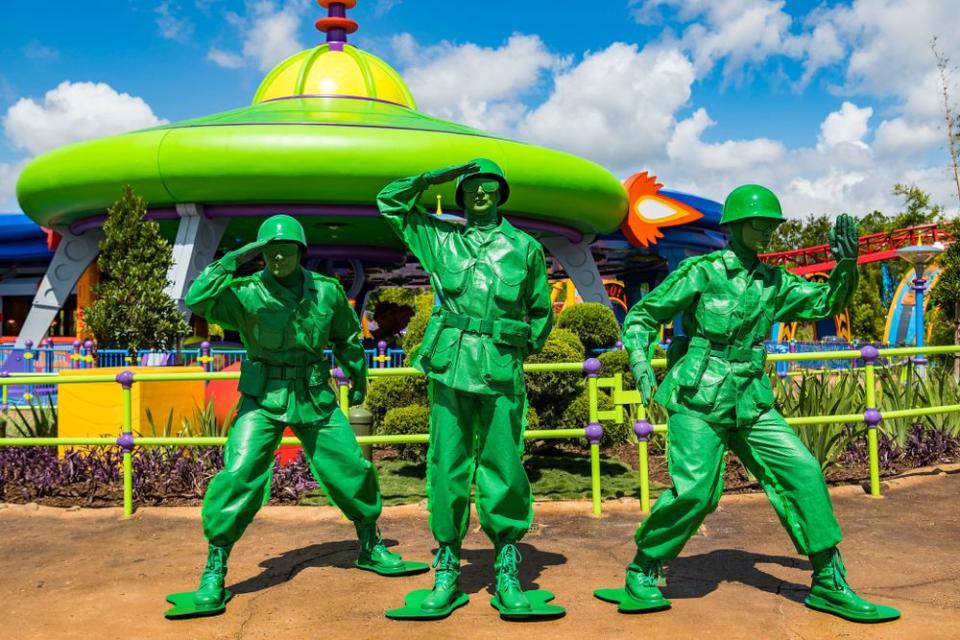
column 488, row 186
column 763, row 224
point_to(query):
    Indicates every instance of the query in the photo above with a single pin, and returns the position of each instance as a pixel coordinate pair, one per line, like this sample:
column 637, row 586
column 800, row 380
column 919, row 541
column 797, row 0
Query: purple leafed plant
column 94, row 476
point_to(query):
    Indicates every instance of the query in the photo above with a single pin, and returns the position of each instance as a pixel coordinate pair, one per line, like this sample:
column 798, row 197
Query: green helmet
column 487, row 169
column 751, row 201
column 282, row 228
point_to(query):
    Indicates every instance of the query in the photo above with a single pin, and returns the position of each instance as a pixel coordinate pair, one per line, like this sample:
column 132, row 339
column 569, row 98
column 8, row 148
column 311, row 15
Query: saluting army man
column 717, row 396
column 286, row 317
column 494, row 309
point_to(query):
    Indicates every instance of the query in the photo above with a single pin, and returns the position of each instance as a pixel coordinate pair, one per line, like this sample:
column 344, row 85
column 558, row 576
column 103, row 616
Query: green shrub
column 577, row 416
column 614, row 362
column 593, row 323
column 402, row 421
column 393, row 392
column 550, row 393
column 418, row 323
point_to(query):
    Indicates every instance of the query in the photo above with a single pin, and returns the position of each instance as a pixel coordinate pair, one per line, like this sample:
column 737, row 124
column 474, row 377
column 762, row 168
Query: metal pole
column 872, row 417
column 594, row 433
column 125, row 441
column 644, row 429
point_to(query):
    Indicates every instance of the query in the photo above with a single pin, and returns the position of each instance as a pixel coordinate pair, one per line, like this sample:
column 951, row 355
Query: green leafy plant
column 593, row 323
column 36, row 420
column 414, row 419
column 550, row 392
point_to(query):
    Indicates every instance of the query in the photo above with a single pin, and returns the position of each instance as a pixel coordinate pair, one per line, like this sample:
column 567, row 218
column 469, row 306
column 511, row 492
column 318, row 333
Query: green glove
column 645, row 379
column 845, row 238
column 446, row 174
column 357, row 395
column 244, row 254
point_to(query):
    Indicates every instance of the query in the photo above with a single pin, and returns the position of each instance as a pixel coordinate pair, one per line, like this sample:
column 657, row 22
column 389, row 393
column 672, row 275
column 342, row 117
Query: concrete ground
column 90, row 574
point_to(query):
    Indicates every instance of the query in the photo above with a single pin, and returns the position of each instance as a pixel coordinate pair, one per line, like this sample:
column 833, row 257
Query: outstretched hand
column 357, row 396
column 446, row 174
column 845, row 238
column 247, row 252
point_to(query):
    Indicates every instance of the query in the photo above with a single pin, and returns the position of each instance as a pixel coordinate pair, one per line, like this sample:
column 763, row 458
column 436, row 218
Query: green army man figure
column 718, row 396
column 494, row 309
column 286, row 316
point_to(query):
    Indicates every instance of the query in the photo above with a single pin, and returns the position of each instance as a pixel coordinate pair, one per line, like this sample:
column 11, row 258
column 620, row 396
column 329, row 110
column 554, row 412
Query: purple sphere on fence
column 869, row 353
column 592, row 366
column 125, row 378
column 643, row 429
column 594, row 433
column 872, row 417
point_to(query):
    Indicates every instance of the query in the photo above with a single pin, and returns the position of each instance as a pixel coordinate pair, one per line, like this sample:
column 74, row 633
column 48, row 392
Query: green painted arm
column 210, row 295
column 421, row 231
column 539, row 305
column 800, row 299
column 345, row 342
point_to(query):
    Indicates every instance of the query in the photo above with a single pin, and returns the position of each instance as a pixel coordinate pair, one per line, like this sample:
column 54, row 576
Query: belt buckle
column 474, row 325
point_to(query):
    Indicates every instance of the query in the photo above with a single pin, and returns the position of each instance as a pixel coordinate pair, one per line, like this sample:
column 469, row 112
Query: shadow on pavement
column 696, row 576
column 479, row 573
column 279, row 569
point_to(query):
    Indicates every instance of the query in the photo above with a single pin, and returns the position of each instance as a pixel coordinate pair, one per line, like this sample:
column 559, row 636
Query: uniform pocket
column 316, row 329
column 270, row 330
column 509, row 274
column 717, row 313
column 453, row 276
column 499, row 363
column 443, row 353
column 703, row 397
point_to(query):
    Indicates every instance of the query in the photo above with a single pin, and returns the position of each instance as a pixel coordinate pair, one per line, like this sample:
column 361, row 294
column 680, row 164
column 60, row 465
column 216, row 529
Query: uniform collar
column 281, row 292
column 733, row 262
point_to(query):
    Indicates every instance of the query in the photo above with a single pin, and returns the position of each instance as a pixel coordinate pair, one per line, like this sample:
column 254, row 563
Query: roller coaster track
column 873, row 248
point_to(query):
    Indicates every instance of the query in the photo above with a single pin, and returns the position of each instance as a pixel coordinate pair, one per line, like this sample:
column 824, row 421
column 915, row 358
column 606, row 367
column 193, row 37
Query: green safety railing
column 593, row 432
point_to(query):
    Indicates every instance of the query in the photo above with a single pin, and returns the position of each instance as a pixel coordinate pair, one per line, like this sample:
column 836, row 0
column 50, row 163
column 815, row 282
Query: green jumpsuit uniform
column 494, row 309
column 285, row 381
column 718, row 396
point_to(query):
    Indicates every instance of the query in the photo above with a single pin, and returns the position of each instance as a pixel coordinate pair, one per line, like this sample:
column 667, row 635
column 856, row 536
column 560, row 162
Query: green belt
column 291, row 372
column 736, row 353
column 514, row 333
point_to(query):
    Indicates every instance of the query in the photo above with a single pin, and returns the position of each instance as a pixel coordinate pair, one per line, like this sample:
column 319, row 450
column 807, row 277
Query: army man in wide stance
column 718, row 397
column 494, row 309
column 286, row 316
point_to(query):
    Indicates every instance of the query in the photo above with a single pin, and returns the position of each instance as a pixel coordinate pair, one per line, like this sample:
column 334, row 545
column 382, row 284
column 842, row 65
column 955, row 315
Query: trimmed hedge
column 593, row 323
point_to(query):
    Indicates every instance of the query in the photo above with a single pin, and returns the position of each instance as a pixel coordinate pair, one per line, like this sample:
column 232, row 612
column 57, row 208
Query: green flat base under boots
column 411, row 609
column 185, row 607
column 879, row 613
column 406, row 569
column 538, row 606
column 627, row 604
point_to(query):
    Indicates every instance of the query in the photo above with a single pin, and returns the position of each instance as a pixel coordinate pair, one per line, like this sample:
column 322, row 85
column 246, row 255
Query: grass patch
column 564, row 477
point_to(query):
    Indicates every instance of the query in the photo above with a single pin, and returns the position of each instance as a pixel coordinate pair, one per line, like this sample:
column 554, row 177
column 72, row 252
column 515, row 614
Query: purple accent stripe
column 337, row 10
column 368, row 254
column 334, row 95
column 337, row 35
column 334, row 46
column 314, row 210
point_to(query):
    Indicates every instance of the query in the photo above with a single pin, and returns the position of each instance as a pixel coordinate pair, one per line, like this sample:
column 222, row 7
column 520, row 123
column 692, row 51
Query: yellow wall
column 92, row 410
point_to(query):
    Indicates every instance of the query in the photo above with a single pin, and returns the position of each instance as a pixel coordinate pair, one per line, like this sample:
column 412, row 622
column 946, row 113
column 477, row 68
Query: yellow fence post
column 594, row 432
column 125, row 441
column 872, row 416
column 343, row 390
column 644, row 430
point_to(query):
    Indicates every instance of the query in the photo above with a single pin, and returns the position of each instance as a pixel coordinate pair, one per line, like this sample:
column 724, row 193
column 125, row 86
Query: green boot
column 446, row 585
column 211, row 593
column 374, row 555
column 510, row 595
column 210, row 598
column 642, row 584
column 831, row 593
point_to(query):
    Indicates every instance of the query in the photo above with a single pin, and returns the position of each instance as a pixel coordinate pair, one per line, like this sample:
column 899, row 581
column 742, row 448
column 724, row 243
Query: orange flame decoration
column 649, row 211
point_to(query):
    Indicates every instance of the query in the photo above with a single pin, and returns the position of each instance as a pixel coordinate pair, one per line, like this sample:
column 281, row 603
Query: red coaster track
column 873, row 248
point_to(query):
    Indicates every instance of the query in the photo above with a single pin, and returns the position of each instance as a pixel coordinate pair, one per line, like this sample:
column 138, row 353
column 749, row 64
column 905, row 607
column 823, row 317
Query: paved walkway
column 88, row 574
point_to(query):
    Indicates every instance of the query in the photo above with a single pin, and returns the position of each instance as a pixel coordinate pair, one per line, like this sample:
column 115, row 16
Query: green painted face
column 480, row 196
column 282, row 258
column 754, row 233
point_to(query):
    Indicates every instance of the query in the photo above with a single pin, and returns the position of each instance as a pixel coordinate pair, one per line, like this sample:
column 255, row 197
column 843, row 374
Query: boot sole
column 411, row 609
column 408, row 568
column 882, row 614
column 627, row 604
column 184, row 607
column 538, row 606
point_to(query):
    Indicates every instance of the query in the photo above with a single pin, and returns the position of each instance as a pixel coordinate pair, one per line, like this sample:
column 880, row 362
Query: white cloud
column 478, row 86
column 74, row 111
column 687, row 149
column 172, row 27
column 268, row 32
column 383, row 7
column 9, row 171
column 225, row 59
column 36, row 51
column 847, row 126
column 905, row 136
column 616, row 106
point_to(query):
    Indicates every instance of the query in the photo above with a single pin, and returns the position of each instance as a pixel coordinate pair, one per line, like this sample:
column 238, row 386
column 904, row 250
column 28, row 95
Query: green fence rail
column 593, row 432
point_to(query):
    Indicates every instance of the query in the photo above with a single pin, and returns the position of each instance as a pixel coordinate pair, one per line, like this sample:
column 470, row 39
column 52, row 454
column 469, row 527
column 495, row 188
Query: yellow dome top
column 335, row 69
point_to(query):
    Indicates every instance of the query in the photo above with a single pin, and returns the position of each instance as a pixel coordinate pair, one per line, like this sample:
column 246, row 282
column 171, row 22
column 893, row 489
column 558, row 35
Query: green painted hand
column 357, row 396
column 446, row 174
column 246, row 253
column 645, row 379
column 845, row 238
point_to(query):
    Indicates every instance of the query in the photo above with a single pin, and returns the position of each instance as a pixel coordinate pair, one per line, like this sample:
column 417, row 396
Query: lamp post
column 919, row 256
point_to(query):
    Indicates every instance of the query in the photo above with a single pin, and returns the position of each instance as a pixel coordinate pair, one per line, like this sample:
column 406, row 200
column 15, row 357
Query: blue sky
column 829, row 103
